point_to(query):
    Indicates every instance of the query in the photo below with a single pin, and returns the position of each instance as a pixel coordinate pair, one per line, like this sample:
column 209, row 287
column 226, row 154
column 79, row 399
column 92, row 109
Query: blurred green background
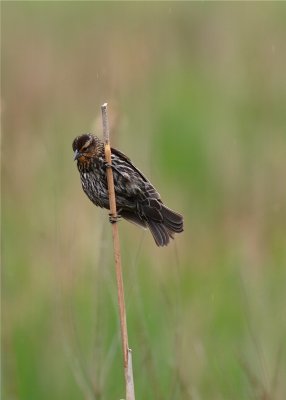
column 197, row 99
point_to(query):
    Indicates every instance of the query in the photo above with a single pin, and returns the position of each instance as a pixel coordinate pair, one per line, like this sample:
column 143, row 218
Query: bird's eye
column 84, row 148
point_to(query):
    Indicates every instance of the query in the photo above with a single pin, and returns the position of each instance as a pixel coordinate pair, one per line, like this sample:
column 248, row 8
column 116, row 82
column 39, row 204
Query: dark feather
column 137, row 200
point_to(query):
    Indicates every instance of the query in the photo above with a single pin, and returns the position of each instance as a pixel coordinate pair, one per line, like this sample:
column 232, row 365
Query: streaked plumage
column 136, row 198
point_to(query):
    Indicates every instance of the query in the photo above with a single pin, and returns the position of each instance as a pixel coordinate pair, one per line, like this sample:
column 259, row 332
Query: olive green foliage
column 196, row 95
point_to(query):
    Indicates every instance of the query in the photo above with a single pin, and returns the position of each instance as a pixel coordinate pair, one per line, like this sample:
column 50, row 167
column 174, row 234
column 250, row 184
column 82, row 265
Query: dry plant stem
column 127, row 356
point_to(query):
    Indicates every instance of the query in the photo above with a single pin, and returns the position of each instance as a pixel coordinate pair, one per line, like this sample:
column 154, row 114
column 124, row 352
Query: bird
column 137, row 200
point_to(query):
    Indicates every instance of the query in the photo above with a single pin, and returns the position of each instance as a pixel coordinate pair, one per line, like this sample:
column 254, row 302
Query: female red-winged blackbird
column 136, row 198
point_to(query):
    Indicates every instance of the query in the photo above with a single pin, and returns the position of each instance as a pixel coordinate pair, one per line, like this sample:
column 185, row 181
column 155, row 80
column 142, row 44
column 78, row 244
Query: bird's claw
column 113, row 167
column 107, row 165
column 114, row 218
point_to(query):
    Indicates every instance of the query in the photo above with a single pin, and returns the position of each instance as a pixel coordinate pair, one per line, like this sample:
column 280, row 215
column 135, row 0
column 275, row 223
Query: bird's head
column 87, row 147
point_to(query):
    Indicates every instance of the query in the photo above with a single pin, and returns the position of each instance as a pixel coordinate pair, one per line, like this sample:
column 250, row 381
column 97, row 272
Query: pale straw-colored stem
column 127, row 355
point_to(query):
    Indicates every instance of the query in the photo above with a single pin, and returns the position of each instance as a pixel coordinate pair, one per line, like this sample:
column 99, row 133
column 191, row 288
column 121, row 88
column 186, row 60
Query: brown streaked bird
column 137, row 200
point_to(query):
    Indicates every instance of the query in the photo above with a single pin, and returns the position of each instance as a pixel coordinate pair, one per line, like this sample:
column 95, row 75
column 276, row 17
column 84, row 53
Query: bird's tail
column 161, row 220
column 162, row 231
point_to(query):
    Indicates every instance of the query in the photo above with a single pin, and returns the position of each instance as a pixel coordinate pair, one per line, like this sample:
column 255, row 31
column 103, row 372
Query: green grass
column 196, row 94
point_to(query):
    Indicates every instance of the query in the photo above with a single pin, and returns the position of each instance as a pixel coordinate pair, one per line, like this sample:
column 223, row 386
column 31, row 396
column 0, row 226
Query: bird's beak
column 77, row 154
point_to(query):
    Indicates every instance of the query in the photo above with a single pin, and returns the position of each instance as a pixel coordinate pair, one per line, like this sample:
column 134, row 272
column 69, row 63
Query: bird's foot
column 107, row 165
column 114, row 218
column 112, row 166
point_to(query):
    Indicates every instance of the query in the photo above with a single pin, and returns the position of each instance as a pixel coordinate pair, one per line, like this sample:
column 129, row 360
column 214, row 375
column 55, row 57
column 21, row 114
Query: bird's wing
column 127, row 159
column 148, row 186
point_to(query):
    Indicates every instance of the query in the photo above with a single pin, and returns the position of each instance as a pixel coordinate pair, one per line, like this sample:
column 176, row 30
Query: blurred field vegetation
column 197, row 97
